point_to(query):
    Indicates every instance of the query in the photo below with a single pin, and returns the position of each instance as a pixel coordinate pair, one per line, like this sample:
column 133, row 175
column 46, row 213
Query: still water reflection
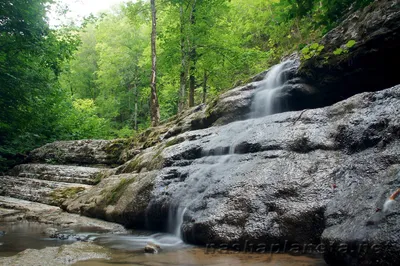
column 128, row 249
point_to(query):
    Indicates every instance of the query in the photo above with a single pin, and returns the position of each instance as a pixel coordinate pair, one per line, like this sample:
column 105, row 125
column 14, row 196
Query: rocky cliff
column 216, row 176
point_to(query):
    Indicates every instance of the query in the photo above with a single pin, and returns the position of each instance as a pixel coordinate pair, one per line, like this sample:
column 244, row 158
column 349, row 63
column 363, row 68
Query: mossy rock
column 117, row 191
column 58, row 196
column 134, row 165
column 174, row 141
column 116, row 147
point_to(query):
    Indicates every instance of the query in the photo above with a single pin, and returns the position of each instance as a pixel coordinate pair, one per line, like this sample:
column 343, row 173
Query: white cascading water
column 199, row 181
column 197, row 186
column 264, row 102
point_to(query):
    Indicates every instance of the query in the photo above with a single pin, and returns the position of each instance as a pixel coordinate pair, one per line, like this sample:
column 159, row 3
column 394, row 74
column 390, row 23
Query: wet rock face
column 284, row 187
column 367, row 66
column 358, row 231
column 292, row 177
column 276, row 188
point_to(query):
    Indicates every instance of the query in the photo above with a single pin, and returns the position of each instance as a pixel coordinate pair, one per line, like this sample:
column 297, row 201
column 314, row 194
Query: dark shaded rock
column 2, row 233
column 368, row 66
column 358, row 232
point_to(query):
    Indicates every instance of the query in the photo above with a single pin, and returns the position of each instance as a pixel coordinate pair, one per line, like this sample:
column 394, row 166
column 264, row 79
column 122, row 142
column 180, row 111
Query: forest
column 139, row 64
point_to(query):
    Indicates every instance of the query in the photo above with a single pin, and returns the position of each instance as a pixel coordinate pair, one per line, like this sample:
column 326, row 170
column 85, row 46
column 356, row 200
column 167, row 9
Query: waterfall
column 198, row 182
column 214, row 163
column 265, row 100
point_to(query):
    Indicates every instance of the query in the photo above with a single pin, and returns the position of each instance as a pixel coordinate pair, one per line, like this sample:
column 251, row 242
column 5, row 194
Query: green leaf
column 305, row 50
column 314, row 46
column 338, row 51
column 350, row 43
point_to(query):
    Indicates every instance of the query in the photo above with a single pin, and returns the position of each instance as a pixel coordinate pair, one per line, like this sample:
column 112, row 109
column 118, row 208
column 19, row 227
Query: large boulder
column 121, row 198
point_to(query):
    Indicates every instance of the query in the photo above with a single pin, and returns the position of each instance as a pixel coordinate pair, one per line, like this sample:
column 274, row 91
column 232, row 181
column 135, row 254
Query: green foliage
column 82, row 122
column 345, row 48
column 328, row 13
column 339, row 51
column 31, row 59
column 311, row 50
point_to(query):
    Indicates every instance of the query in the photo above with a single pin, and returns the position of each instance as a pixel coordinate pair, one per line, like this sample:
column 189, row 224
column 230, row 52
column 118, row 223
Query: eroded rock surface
column 50, row 183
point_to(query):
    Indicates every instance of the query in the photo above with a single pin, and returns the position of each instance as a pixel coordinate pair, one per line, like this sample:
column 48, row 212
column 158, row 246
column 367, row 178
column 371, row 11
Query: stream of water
column 265, row 100
column 213, row 166
column 127, row 249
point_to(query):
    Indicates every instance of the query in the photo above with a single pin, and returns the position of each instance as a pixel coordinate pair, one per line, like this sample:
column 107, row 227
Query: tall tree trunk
column 192, row 84
column 205, row 79
column 155, row 108
column 184, row 60
column 193, row 58
column 136, row 115
column 135, row 105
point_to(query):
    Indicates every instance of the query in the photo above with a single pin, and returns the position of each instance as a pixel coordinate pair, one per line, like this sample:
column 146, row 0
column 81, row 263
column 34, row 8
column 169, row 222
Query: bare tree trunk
column 192, row 85
column 135, row 118
column 135, row 106
column 205, row 79
column 155, row 108
column 184, row 68
column 193, row 58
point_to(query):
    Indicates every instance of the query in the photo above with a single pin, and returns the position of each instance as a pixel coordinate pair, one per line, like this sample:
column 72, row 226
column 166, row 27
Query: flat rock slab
column 43, row 191
column 57, row 256
column 80, row 152
column 15, row 210
column 59, row 173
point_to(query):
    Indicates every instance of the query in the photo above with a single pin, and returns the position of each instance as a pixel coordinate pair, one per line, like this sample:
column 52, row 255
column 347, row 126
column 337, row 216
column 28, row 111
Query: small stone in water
column 152, row 248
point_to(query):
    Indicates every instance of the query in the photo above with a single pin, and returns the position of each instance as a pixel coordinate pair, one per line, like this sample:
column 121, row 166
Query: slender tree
column 155, row 109
column 192, row 55
column 184, row 68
